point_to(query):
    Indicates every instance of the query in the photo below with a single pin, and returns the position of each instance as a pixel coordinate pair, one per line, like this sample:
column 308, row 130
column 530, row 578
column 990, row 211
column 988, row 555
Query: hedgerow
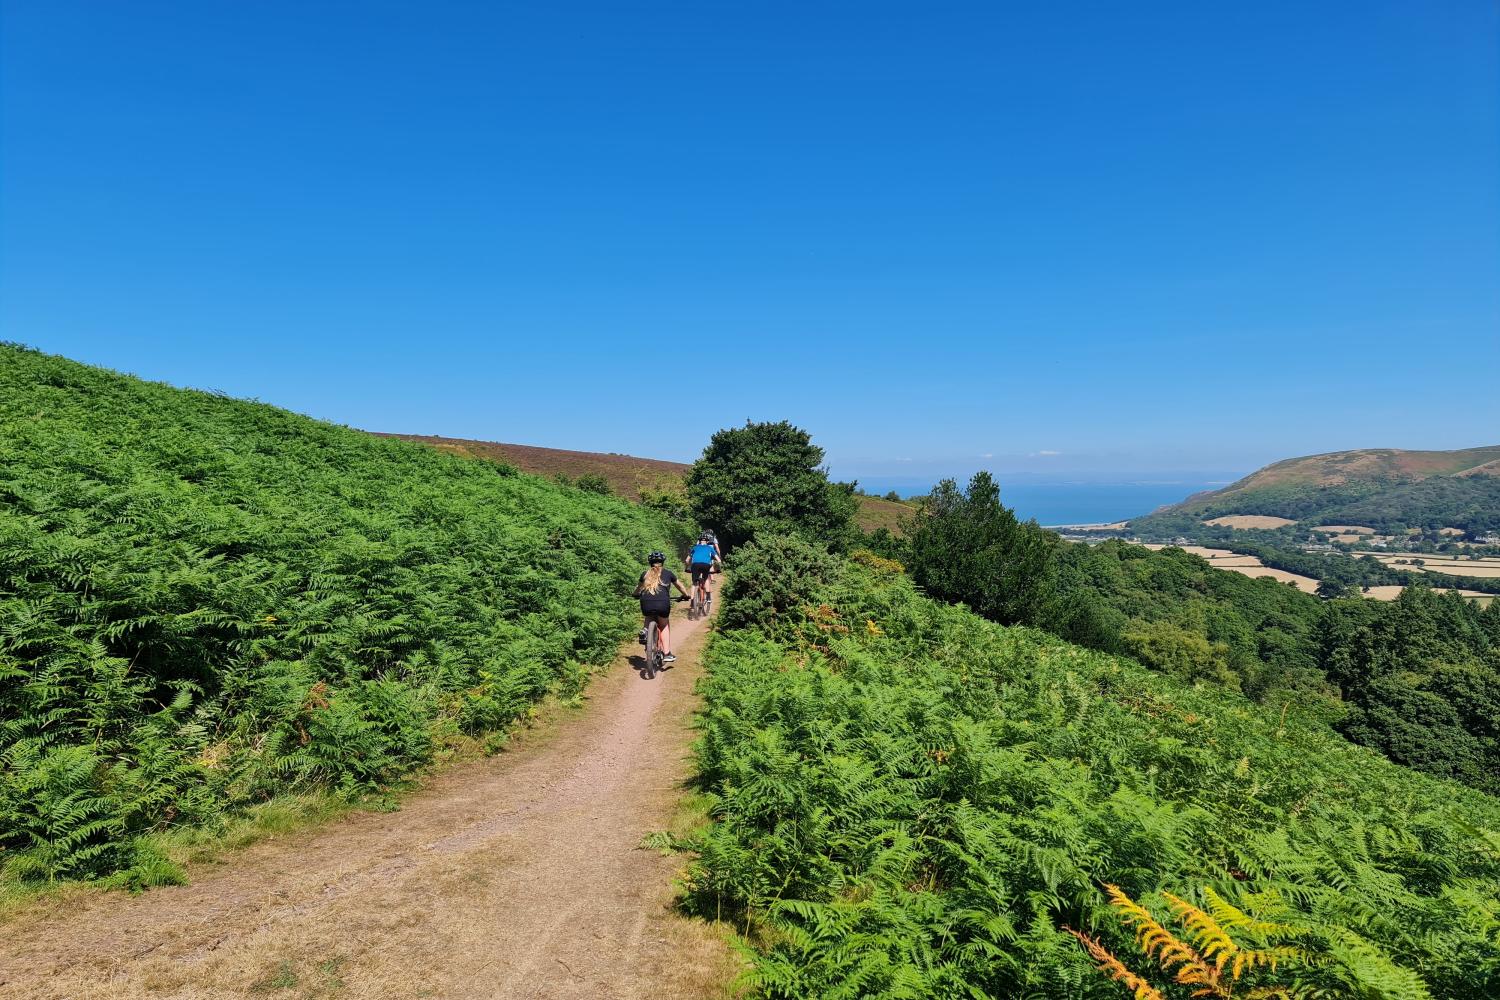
column 206, row 602
column 912, row 801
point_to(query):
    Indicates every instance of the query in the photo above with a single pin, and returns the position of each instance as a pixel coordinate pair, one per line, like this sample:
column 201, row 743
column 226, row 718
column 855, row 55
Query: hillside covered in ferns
column 206, row 603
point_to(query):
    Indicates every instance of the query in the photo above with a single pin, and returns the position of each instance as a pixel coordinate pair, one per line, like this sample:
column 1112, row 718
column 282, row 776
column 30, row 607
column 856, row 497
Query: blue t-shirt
column 703, row 554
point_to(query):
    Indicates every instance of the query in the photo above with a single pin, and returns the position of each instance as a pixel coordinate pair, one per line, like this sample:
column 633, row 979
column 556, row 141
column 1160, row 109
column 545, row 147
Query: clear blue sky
column 1145, row 237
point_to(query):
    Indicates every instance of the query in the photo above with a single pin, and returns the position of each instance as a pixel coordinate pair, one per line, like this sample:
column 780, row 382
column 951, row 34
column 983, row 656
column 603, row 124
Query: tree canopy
column 768, row 478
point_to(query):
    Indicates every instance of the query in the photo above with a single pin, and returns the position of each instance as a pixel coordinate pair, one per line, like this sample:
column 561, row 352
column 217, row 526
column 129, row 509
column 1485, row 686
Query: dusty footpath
column 517, row 876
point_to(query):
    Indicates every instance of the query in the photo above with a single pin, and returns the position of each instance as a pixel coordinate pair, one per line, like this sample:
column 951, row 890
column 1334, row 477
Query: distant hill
column 1383, row 488
column 627, row 475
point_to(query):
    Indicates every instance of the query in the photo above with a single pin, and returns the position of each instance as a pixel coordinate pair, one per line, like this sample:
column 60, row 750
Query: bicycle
column 655, row 658
column 708, row 594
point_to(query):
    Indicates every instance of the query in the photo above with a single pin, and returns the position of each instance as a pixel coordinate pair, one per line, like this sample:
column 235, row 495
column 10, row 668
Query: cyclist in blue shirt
column 701, row 563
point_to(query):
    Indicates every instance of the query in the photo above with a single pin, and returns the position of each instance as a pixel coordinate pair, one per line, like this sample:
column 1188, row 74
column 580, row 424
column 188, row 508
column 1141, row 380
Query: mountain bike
column 654, row 656
column 698, row 606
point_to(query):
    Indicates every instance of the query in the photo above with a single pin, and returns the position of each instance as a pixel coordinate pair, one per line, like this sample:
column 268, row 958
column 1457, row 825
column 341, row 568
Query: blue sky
column 1059, row 240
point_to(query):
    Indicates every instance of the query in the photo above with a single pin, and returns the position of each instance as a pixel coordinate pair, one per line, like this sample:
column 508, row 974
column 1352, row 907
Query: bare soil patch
column 1243, row 521
column 520, row 876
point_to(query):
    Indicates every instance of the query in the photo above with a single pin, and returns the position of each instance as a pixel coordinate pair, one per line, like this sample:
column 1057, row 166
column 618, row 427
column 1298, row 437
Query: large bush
column 774, row 578
column 768, row 479
column 206, row 602
column 970, row 547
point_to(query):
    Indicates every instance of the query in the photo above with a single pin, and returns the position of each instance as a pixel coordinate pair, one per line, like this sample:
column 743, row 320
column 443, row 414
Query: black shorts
column 661, row 614
column 701, row 572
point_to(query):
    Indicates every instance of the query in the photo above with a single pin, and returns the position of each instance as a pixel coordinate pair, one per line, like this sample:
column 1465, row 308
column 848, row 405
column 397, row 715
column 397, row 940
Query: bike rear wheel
column 653, row 651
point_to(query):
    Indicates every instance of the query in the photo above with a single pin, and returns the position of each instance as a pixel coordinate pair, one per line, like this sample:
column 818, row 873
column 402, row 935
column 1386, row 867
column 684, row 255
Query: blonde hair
column 651, row 582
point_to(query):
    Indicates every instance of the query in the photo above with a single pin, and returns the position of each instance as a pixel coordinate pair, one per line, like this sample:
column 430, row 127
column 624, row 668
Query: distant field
column 1345, row 529
column 627, row 475
column 1392, row 591
column 1485, row 568
column 1200, row 550
column 1251, row 521
column 1245, row 565
column 1251, row 566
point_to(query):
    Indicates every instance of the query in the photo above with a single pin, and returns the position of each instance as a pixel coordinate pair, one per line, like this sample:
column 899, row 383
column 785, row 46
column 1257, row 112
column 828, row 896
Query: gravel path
column 519, row 876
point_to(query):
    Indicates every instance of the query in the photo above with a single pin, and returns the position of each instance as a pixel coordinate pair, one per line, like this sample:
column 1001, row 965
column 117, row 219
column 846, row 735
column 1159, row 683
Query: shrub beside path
column 518, row 876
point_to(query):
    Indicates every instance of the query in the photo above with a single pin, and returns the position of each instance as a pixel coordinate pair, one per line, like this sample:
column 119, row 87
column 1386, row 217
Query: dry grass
column 1345, row 529
column 878, row 512
column 1243, row 521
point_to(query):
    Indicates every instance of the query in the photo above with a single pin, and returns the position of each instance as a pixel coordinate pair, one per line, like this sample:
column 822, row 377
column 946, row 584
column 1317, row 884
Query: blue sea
column 1071, row 503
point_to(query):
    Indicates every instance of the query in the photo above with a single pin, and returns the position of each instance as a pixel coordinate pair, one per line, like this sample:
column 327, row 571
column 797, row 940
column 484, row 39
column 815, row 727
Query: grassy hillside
column 1384, row 488
column 626, row 475
column 877, row 512
column 205, row 603
column 1387, row 465
column 915, row 802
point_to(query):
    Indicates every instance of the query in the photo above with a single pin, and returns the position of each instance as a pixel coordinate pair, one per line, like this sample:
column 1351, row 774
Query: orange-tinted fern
column 1203, row 959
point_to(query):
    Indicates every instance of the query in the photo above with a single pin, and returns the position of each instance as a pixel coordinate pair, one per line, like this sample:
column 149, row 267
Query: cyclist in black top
column 655, row 592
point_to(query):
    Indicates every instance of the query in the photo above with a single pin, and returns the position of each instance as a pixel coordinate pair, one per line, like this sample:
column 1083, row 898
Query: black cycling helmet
column 705, row 537
column 656, row 557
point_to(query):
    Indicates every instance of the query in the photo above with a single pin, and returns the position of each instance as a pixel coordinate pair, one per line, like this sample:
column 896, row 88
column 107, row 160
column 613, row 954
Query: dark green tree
column 767, row 478
column 970, row 547
column 1333, row 588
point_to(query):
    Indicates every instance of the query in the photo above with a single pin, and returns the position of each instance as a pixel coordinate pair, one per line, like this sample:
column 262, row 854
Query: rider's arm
column 677, row 582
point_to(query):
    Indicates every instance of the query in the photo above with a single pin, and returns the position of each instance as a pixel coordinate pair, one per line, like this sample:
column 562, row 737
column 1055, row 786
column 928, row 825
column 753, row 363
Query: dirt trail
column 519, row 876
